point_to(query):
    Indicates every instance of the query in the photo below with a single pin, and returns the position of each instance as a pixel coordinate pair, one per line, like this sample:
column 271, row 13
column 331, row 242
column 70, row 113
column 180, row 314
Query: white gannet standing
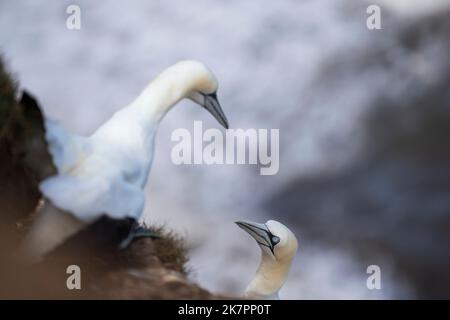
column 278, row 248
column 105, row 173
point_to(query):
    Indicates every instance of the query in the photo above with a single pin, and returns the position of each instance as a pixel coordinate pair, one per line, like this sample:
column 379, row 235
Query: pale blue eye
column 275, row 239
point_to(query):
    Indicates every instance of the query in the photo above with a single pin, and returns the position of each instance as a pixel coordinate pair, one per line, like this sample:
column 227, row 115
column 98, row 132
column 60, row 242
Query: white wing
column 66, row 149
column 88, row 197
column 88, row 184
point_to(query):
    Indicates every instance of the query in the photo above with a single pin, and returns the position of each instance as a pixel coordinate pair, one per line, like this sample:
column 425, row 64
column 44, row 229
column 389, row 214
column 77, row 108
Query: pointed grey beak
column 212, row 105
column 258, row 231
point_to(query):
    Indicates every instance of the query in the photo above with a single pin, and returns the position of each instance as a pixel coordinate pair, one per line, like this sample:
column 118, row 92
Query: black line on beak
column 250, row 228
column 211, row 103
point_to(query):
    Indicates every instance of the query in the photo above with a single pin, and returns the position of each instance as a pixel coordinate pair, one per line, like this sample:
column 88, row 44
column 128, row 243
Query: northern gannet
column 278, row 248
column 105, row 173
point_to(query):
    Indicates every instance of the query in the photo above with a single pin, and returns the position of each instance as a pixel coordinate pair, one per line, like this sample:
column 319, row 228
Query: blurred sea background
column 364, row 119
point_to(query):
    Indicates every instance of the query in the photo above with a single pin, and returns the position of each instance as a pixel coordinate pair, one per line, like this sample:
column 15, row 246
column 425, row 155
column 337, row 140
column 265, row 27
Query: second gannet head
column 278, row 248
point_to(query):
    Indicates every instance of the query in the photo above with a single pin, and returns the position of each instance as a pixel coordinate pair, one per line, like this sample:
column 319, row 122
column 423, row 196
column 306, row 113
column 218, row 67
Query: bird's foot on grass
column 137, row 233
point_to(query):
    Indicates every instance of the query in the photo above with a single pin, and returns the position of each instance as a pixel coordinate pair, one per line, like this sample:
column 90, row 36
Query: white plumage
column 278, row 248
column 106, row 172
column 99, row 174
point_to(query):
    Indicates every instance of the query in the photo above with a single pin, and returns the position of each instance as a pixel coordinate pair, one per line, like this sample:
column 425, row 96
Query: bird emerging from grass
column 278, row 248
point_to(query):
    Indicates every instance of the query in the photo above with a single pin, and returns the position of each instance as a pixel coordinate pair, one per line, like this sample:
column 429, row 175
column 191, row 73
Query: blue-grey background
column 363, row 118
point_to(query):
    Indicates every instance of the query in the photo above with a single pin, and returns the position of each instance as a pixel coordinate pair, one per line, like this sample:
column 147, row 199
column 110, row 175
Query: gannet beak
column 213, row 106
column 259, row 232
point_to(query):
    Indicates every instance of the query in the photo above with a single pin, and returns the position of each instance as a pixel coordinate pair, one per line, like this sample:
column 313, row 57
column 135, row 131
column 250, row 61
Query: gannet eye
column 275, row 240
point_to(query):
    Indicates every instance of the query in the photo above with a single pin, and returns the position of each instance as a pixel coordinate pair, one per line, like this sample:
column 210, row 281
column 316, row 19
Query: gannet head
column 274, row 239
column 203, row 87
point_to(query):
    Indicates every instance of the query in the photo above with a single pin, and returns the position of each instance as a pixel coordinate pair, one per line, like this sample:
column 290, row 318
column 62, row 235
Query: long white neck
column 269, row 278
column 161, row 95
column 147, row 110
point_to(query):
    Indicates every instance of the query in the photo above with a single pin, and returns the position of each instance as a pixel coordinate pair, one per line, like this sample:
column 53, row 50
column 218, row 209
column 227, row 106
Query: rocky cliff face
column 147, row 269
